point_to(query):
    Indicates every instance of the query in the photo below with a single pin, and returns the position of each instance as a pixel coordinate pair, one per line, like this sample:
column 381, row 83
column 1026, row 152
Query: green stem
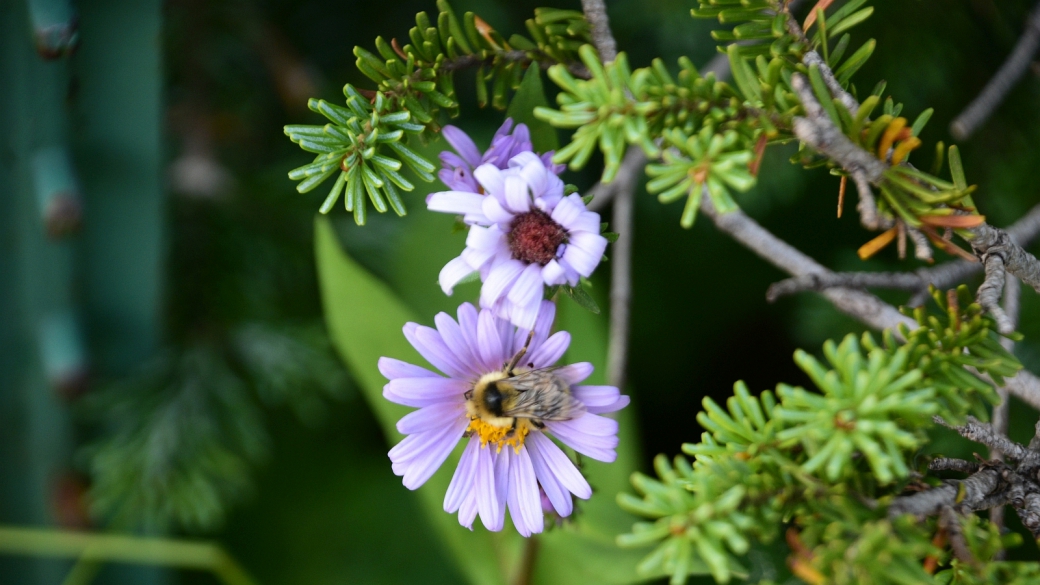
column 89, row 548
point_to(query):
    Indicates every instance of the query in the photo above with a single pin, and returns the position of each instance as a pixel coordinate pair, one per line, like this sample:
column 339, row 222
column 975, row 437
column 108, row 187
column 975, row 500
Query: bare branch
column 621, row 266
column 991, row 289
column 1026, row 386
column 603, row 193
column 602, row 38
column 1029, row 512
column 943, row 276
column 1012, row 298
column 989, row 241
column 922, row 250
column 980, row 432
column 850, row 103
column 1009, row 73
column 948, row 464
column 910, row 281
column 1012, row 294
column 967, row 494
column 949, row 521
column 861, row 305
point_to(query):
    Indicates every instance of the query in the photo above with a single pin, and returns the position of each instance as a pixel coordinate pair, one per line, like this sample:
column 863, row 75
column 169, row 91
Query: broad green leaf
column 531, row 95
column 364, row 319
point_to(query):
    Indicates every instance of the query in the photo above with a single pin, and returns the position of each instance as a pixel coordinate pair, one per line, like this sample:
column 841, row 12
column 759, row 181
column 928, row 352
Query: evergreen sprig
column 350, row 146
column 827, row 459
column 956, row 336
column 364, row 145
column 704, row 132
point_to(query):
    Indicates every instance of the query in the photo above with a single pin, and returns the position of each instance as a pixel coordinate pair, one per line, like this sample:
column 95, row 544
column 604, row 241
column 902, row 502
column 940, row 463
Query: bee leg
column 520, row 354
column 538, row 424
column 468, row 395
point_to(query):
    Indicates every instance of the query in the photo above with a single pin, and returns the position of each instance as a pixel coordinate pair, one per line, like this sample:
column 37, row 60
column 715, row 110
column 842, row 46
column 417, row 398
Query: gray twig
column 910, row 281
column 602, row 38
column 861, row 305
column 943, row 276
column 949, row 464
column 975, row 490
column 1012, row 294
column 992, row 288
column 621, row 266
column 922, row 250
column 989, row 241
column 980, row 432
column 603, row 193
column 1026, row 386
column 1028, row 509
column 1009, row 73
column 949, row 521
column 850, row 103
column 622, row 190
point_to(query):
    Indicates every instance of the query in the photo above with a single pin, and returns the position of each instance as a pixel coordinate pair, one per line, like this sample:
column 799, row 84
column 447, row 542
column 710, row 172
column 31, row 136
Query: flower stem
column 525, row 571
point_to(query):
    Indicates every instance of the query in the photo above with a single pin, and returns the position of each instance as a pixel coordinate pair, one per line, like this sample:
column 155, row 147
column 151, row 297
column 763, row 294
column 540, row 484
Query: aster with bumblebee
column 832, row 469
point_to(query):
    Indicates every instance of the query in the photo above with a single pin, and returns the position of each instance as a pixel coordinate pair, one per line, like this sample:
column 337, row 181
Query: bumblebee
column 505, row 397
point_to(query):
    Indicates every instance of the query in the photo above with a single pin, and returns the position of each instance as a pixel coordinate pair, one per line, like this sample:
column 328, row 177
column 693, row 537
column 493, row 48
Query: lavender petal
column 430, row 417
column 425, row 391
column 394, row 368
column 464, row 478
column 462, row 144
column 423, row 467
column 575, row 373
column 552, row 350
column 455, row 270
column 561, row 467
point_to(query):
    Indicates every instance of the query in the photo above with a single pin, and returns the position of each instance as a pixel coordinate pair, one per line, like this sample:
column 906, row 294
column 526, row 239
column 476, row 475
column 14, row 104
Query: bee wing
column 541, row 395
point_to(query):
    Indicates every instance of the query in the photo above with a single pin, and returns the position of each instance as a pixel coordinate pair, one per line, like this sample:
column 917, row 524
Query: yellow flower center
column 499, row 436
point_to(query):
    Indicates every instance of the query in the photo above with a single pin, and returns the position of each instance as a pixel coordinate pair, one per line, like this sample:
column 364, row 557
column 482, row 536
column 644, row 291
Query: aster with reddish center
column 457, row 171
column 524, row 234
column 502, row 467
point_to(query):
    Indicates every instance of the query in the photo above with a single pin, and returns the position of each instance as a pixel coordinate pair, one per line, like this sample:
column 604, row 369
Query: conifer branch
column 997, row 89
column 818, row 131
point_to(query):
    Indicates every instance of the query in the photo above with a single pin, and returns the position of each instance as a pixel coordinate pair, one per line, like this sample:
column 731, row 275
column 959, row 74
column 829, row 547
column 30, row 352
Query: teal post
column 81, row 233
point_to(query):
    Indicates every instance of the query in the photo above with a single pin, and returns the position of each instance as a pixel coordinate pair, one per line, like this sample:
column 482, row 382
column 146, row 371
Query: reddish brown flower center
column 534, row 237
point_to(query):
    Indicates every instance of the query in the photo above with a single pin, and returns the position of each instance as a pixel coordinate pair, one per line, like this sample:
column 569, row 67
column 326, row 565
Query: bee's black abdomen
column 493, row 399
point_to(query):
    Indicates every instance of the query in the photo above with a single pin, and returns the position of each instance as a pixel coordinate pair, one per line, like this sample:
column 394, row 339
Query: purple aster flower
column 507, row 463
column 524, row 234
column 457, row 173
